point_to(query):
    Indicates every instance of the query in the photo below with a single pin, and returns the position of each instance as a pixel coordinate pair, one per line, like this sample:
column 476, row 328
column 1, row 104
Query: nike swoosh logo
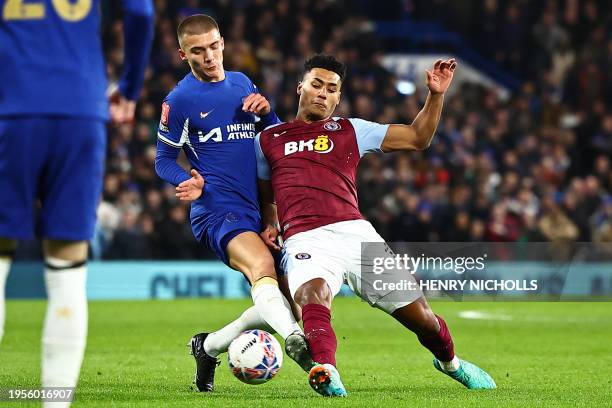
column 203, row 115
column 279, row 134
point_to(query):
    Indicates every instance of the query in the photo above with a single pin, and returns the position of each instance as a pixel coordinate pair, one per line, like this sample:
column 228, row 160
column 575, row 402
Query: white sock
column 65, row 329
column 450, row 366
column 273, row 307
column 5, row 266
column 218, row 342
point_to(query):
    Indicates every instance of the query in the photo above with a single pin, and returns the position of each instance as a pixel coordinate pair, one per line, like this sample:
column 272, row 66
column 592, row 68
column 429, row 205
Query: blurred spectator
column 176, row 238
column 554, row 225
column 131, row 240
column 602, row 226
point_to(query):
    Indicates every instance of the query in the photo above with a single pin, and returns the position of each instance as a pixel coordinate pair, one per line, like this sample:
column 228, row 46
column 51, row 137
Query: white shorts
column 334, row 253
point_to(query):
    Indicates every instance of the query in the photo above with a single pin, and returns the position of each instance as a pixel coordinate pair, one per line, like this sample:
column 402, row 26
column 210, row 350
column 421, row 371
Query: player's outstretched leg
column 7, row 250
column 433, row 333
column 315, row 299
column 205, row 347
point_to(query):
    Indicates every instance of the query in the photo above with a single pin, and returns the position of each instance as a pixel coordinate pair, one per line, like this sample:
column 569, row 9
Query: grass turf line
column 540, row 354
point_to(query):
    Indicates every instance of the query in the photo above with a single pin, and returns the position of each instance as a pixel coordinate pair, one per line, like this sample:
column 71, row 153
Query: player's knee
column 261, row 267
column 315, row 291
column 75, row 251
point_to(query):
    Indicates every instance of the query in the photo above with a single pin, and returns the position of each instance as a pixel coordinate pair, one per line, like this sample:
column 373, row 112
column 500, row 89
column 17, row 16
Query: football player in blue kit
column 213, row 115
column 53, row 109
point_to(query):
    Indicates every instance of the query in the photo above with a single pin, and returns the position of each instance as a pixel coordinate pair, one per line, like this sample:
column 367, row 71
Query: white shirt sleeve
column 370, row 135
column 263, row 168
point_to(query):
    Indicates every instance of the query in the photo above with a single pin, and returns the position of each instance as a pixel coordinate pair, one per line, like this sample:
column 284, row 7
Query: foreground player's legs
column 70, row 190
column 65, row 327
column 7, row 251
column 315, row 299
column 432, row 332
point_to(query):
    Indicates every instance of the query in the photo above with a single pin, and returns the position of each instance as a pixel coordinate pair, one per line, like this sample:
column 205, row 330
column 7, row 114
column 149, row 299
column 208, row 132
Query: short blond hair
column 196, row 24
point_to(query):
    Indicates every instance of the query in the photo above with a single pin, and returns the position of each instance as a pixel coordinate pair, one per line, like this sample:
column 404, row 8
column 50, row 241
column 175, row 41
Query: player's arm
column 269, row 217
column 138, row 37
column 190, row 186
column 259, row 105
column 166, row 166
column 172, row 134
column 419, row 134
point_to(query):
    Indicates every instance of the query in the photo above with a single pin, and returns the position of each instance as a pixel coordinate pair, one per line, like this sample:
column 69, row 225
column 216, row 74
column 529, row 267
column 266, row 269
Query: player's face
column 319, row 94
column 204, row 53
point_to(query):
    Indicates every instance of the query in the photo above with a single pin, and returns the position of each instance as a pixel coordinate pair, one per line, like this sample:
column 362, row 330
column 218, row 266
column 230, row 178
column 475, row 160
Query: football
column 255, row 356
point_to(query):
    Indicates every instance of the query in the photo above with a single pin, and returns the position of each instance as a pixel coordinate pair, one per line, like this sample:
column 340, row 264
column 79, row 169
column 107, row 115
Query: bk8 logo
column 321, row 144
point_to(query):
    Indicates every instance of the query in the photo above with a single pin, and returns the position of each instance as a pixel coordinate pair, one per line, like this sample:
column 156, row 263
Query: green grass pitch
column 540, row 354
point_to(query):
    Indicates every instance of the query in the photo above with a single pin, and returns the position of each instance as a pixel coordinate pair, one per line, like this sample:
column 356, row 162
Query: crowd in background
column 532, row 167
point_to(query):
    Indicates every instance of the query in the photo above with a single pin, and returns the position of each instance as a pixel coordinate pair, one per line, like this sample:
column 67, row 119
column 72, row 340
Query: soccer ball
column 255, row 356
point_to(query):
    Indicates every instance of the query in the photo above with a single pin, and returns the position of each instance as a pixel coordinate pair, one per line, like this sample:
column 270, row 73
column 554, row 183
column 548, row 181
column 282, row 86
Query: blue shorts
column 220, row 231
column 56, row 165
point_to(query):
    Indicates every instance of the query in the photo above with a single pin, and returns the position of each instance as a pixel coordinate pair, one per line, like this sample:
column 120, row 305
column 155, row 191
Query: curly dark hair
column 328, row 62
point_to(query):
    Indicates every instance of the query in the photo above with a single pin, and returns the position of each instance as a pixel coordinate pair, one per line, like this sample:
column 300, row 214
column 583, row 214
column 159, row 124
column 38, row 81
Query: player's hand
column 122, row 110
column 439, row 79
column 269, row 236
column 256, row 103
column 191, row 189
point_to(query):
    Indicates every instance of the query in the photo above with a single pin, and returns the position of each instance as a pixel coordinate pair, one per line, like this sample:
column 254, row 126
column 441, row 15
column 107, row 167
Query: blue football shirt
column 52, row 60
column 206, row 120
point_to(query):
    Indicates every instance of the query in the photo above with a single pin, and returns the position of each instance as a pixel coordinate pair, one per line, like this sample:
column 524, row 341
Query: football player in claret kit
column 307, row 169
column 212, row 115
